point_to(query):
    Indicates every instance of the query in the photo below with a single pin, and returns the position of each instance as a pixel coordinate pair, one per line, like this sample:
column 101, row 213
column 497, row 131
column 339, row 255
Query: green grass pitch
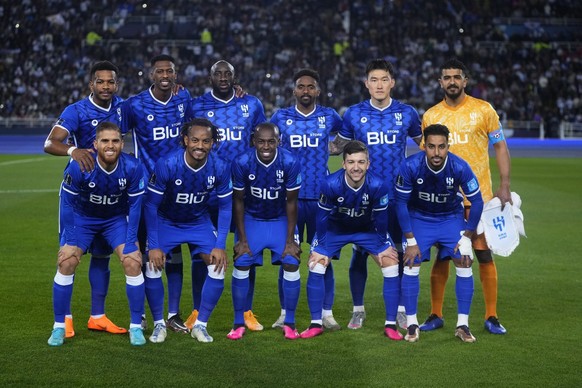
column 539, row 304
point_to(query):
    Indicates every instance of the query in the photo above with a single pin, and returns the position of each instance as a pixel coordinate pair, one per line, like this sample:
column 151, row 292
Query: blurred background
column 524, row 56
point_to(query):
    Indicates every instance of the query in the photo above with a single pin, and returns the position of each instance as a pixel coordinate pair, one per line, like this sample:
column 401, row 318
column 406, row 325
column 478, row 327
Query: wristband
column 411, row 241
column 70, row 150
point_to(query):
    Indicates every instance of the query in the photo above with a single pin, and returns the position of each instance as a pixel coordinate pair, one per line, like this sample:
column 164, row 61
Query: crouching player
column 176, row 212
column 352, row 209
column 430, row 210
column 266, row 184
column 105, row 201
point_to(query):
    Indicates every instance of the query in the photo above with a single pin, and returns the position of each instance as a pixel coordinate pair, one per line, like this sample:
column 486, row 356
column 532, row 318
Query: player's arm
column 403, row 192
column 291, row 246
column 321, row 225
column 69, row 194
column 152, row 203
column 218, row 255
column 504, row 165
column 336, row 146
column 54, row 145
column 135, row 193
column 241, row 246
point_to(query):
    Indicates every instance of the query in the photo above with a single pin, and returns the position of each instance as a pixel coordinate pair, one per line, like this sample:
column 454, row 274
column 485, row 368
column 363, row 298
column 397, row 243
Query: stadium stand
column 525, row 55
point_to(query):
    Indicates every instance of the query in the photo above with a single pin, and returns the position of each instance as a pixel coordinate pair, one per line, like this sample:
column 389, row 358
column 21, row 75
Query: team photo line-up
column 203, row 167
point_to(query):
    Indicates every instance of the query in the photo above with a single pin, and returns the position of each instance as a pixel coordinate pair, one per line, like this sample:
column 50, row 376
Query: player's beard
column 453, row 95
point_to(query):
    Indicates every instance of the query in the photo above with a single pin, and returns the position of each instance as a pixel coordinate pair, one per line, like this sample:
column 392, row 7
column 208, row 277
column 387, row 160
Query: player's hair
column 198, row 122
column 267, row 125
column 107, row 126
column 213, row 67
column 435, row 129
column 306, row 72
column 454, row 63
column 103, row 65
column 162, row 57
column 353, row 147
column 380, row 64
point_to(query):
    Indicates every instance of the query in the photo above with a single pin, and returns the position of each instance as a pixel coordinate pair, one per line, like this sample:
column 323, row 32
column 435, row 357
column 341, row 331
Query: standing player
column 266, row 183
column 352, row 209
column 235, row 117
column 177, row 212
column 383, row 124
column 79, row 121
column 305, row 131
column 105, row 200
column 430, row 210
column 474, row 125
column 155, row 117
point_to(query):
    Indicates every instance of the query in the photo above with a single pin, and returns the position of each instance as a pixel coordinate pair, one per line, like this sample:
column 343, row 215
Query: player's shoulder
column 457, row 162
column 283, row 112
column 374, row 180
column 287, row 157
column 244, row 158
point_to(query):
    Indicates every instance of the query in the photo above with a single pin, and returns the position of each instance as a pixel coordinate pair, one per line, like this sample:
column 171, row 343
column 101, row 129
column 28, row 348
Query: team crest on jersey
column 473, row 116
column 363, row 120
column 122, row 183
column 450, row 182
column 178, row 182
column 181, row 107
column 94, row 123
column 252, row 177
column 321, row 121
column 280, row 175
column 150, row 117
column 211, row 179
column 398, row 118
column 245, row 110
column 365, row 199
column 289, row 122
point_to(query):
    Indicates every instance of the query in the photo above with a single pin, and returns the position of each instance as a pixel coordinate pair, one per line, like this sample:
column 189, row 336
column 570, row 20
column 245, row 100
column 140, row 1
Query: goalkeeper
column 429, row 203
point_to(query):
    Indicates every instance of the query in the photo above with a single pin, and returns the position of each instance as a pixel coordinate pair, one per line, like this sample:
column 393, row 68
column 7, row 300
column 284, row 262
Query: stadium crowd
column 536, row 75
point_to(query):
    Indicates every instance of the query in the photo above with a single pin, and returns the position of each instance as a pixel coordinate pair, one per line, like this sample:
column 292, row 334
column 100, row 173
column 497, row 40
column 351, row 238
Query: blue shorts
column 112, row 231
column 265, row 234
column 98, row 247
column 200, row 236
column 306, row 218
column 444, row 231
column 369, row 241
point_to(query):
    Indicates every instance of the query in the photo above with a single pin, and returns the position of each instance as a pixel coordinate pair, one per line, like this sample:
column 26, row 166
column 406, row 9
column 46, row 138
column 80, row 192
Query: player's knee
column 290, row 267
column 484, row 256
column 241, row 272
column 68, row 265
column 132, row 266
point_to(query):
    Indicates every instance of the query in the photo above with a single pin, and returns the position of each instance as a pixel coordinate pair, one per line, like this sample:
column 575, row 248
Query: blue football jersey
column 81, row 118
column 235, row 119
column 348, row 209
column 307, row 137
column 384, row 131
column 156, row 124
column 266, row 186
column 185, row 191
column 435, row 194
column 102, row 194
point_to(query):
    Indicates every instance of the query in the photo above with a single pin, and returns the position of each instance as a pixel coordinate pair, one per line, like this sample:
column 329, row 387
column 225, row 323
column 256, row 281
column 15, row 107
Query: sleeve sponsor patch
column 400, row 180
column 153, row 179
column 323, row 199
column 473, row 185
column 384, row 200
column 68, row 179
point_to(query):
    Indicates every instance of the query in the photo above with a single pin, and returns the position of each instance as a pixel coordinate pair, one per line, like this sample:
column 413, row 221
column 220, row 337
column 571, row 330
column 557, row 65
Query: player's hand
column 176, row 89
column 315, row 258
column 219, row 259
column 135, row 255
column 410, row 254
column 84, row 157
column 156, row 259
column 388, row 256
column 240, row 248
column 239, row 91
column 292, row 248
column 504, row 195
column 465, row 247
column 67, row 252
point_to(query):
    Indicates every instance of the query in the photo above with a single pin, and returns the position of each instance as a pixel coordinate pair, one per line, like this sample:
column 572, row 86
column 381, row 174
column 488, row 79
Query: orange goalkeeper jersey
column 473, row 125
